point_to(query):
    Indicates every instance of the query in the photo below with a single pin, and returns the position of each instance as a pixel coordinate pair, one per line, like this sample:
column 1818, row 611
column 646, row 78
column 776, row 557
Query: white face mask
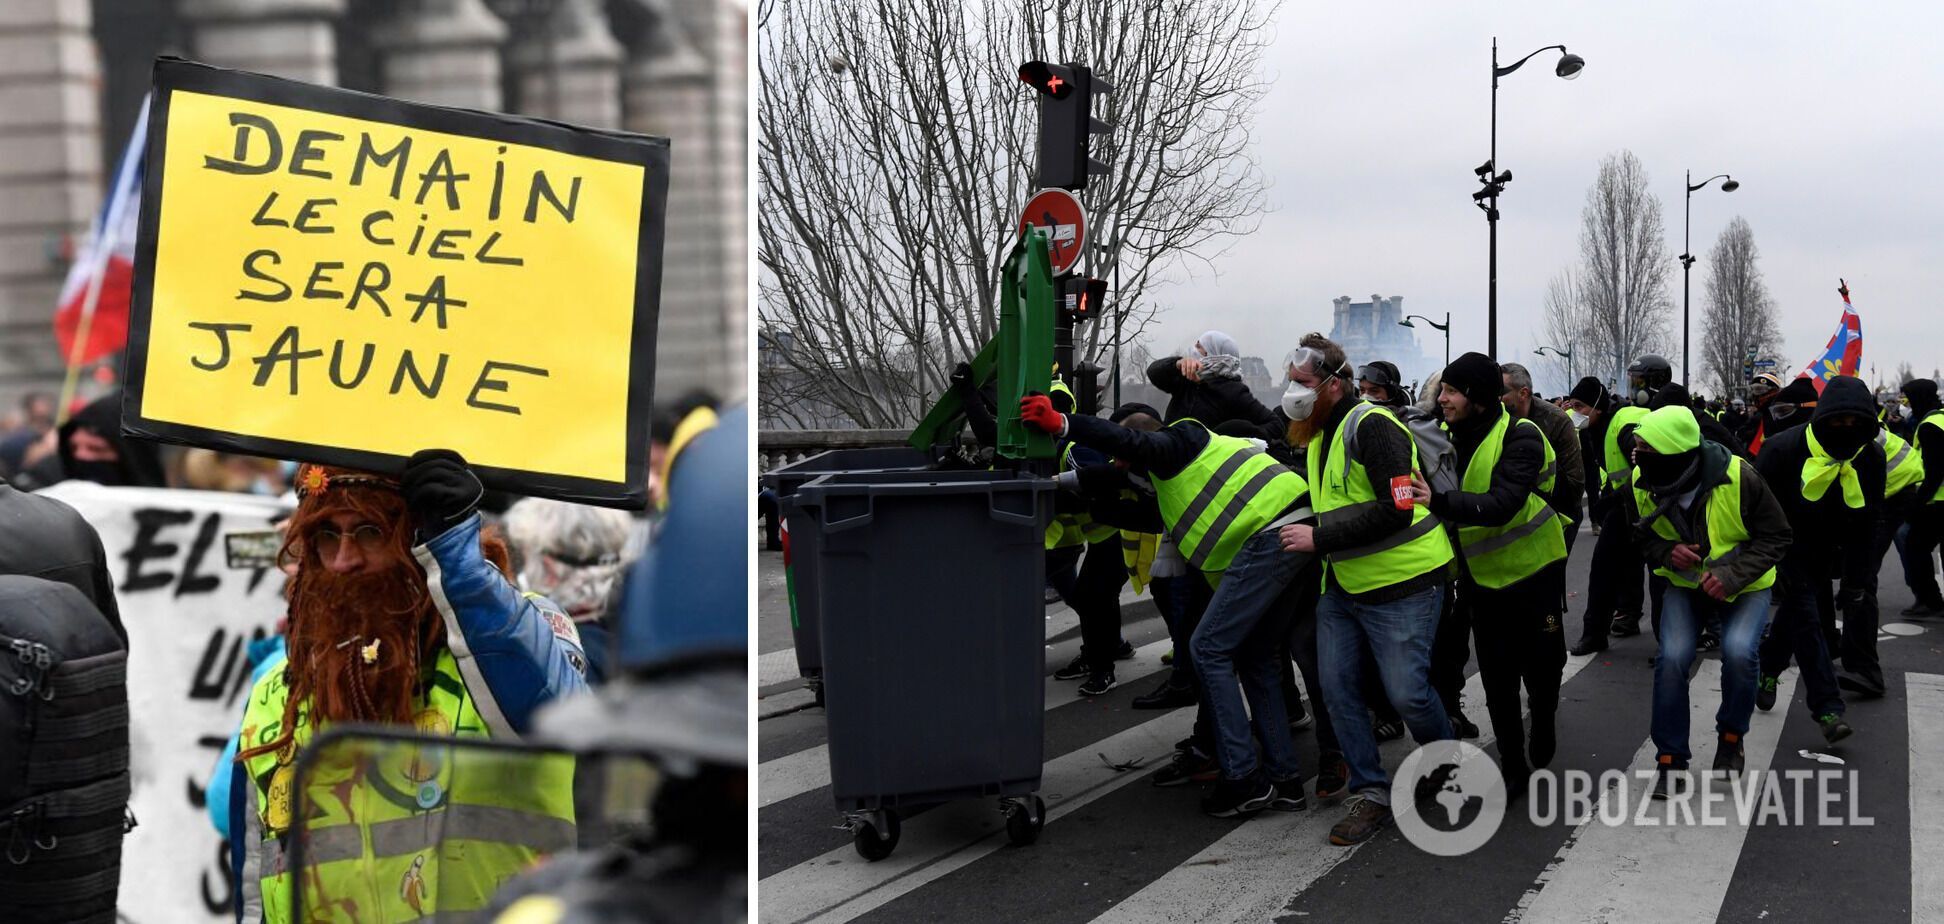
column 1298, row 401
column 1579, row 420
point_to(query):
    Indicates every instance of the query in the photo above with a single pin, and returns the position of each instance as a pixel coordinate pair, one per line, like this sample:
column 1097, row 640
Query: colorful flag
column 1844, row 355
column 95, row 296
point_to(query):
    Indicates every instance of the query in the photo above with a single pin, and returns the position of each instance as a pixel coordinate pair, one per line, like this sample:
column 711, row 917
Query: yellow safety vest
column 1499, row 556
column 1070, row 529
column 405, row 836
column 1903, row 464
column 1726, row 529
column 1932, row 419
column 1618, row 466
column 1340, row 488
column 1137, row 553
column 1230, row 492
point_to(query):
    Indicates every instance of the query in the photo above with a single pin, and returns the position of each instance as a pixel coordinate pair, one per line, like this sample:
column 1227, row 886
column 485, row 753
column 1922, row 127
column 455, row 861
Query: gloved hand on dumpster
column 1036, row 410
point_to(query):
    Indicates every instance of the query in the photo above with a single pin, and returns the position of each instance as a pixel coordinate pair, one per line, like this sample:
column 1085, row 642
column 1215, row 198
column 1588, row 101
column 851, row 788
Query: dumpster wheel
column 1025, row 818
column 875, row 834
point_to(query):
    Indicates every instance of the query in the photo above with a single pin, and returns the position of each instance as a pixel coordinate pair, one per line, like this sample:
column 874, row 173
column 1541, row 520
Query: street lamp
column 1486, row 198
column 1567, row 353
column 1728, row 184
column 1446, row 327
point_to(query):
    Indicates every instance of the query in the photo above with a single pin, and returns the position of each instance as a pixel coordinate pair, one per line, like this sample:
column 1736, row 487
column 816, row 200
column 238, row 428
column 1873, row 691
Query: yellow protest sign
column 342, row 278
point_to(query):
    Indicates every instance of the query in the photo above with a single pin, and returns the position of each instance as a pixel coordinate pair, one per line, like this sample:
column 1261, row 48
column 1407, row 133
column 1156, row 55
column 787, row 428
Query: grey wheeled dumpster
column 933, row 621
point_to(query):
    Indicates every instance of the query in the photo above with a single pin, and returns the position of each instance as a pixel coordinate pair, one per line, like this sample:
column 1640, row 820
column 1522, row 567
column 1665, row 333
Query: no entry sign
column 1065, row 222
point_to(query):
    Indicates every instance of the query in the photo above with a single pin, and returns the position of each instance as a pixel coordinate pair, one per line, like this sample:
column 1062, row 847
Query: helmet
column 1764, row 383
column 1652, row 369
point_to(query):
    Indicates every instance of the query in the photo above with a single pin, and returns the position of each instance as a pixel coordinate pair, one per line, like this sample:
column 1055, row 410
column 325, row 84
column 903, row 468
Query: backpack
column 64, row 780
column 1437, row 459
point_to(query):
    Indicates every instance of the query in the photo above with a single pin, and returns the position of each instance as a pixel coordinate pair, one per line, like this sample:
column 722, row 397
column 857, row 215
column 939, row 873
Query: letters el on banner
column 342, row 278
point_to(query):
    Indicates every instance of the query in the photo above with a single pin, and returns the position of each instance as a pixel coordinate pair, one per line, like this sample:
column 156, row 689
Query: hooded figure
column 1829, row 477
column 92, row 448
column 1711, row 527
column 1674, row 394
column 1208, row 387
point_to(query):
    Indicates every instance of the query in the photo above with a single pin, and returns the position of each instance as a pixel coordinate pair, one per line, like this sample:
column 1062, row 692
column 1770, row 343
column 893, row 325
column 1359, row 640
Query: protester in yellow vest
column 1386, row 561
column 1709, row 525
column 1087, row 565
column 1513, row 549
column 1927, row 521
column 1830, row 478
column 1856, row 595
column 1614, row 577
column 402, row 614
column 1222, row 499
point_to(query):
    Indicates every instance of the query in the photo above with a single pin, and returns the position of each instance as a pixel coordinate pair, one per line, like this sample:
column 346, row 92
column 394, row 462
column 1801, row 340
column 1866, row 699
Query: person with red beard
column 401, row 613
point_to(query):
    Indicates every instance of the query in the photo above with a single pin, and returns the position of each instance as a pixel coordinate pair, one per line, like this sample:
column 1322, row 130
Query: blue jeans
column 1398, row 634
column 1239, row 639
column 1742, row 622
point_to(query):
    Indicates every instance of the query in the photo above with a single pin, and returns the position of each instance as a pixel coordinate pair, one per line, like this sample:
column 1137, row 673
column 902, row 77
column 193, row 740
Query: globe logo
column 1448, row 798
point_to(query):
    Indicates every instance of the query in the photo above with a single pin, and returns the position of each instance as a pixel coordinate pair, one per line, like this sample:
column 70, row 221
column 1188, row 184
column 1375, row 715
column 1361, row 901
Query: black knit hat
column 1589, row 392
column 1476, row 376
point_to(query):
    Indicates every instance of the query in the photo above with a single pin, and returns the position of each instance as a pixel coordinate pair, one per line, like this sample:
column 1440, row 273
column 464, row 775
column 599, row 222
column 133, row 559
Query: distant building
column 1370, row 330
column 74, row 73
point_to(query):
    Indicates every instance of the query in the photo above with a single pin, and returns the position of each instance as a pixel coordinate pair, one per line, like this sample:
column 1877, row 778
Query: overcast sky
column 1831, row 116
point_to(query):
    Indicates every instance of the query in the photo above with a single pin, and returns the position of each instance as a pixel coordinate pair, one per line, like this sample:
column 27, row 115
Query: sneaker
column 1076, row 669
column 1332, row 777
column 1288, row 796
column 1922, row 610
column 1389, row 729
column 1728, row 754
column 1166, row 696
column 1765, row 693
column 1188, row 766
column 1126, row 651
column 1167, row 657
column 1097, row 683
column 1626, row 625
column 1052, row 596
column 1669, row 779
column 1231, row 798
column 1366, row 817
column 1708, row 641
column 1834, row 729
column 1463, row 727
column 1587, row 646
column 1596, row 529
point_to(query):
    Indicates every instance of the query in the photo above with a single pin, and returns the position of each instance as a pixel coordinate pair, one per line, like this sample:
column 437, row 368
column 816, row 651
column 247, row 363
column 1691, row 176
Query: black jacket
column 44, row 538
column 1211, row 401
column 1821, row 526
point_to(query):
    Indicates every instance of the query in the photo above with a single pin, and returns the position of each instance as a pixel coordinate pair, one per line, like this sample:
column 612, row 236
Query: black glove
column 962, row 374
column 440, row 490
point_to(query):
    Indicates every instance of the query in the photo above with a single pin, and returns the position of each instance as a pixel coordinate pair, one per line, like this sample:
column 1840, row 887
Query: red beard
column 357, row 643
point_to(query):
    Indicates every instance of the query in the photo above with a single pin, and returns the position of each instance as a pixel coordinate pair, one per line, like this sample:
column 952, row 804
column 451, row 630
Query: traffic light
column 1081, row 298
column 1067, row 125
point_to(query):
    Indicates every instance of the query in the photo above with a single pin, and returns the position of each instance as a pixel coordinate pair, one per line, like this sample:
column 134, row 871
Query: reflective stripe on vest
column 1499, row 556
column 1726, row 529
column 1903, row 465
column 1618, row 466
column 395, row 827
column 1231, row 491
column 1340, row 489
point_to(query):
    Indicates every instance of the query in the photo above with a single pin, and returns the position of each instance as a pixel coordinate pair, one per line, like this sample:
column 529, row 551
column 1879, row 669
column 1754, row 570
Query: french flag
column 1844, row 355
column 92, row 321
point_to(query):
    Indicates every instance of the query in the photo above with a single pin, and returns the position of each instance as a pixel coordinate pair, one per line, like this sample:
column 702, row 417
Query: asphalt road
column 1118, row 849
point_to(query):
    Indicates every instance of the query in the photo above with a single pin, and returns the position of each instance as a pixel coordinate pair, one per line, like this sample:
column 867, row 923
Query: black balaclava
column 1844, row 397
column 1923, row 397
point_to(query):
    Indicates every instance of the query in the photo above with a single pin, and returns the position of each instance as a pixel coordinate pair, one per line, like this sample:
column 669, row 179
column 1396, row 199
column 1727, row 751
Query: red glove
column 1037, row 411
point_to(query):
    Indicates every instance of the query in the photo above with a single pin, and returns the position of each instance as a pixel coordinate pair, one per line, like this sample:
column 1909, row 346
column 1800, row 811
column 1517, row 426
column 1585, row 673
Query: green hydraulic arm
column 1020, row 357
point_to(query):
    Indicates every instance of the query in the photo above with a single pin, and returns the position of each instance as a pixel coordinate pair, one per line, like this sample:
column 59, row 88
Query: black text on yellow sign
column 342, row 278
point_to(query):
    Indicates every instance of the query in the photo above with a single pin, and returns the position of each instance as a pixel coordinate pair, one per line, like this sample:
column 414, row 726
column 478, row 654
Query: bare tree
column 896, row 147
column 1739, row 315
column 1624, row 268
column 1563, row 319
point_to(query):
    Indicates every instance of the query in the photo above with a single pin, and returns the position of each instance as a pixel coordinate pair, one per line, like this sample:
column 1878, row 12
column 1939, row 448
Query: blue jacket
column 515, row 652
